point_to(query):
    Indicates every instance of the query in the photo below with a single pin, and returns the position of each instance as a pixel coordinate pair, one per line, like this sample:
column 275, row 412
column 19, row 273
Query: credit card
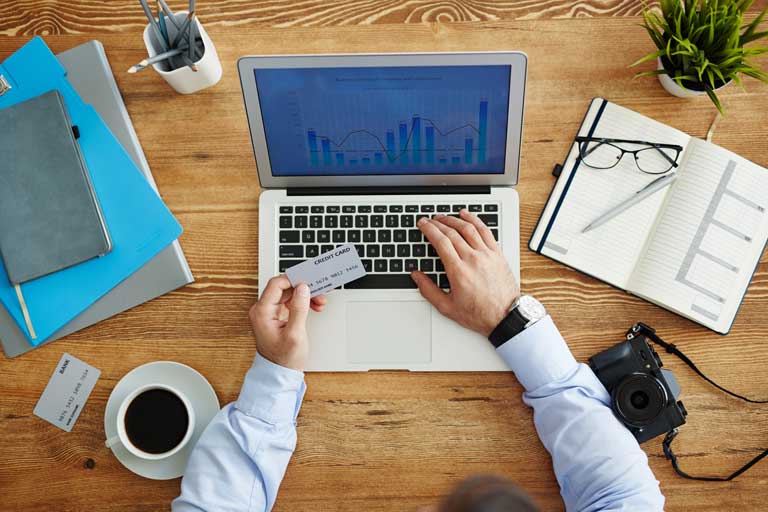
column 66, row 392
column 330, row 270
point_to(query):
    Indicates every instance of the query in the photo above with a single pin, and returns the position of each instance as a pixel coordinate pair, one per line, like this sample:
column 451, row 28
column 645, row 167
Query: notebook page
column 610, row 251
column 709, row 238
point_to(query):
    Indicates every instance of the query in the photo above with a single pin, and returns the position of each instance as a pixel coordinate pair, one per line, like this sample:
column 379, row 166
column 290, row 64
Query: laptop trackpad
column 389, row 332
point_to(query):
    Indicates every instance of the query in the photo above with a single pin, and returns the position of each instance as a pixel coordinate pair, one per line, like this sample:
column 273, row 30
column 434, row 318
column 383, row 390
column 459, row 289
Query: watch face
column 531, row 309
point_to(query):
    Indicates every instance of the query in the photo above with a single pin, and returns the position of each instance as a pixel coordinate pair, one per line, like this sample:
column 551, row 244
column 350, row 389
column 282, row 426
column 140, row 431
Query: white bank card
column 330, row 270
column 66, row 392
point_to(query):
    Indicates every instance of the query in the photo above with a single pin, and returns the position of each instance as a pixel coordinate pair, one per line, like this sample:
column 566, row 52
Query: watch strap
column 512, row 325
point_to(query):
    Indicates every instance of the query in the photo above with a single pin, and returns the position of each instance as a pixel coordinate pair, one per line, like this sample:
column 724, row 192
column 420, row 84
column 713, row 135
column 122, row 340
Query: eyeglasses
column 650, row 157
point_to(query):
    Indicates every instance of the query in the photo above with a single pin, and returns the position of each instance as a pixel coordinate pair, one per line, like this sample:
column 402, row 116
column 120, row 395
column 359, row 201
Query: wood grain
column 382, row 440
column 49, row 17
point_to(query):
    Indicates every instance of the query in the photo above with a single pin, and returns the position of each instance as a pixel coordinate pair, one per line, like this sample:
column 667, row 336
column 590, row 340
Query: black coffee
column 156, row 421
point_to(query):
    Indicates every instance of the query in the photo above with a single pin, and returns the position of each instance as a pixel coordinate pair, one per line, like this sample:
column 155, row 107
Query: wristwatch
column 525, row 312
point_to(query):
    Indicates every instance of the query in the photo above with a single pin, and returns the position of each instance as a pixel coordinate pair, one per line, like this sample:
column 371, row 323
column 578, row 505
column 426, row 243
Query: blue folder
column 139, row 223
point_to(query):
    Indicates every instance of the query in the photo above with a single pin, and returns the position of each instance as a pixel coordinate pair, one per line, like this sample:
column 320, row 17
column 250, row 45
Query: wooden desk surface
column 386, row 440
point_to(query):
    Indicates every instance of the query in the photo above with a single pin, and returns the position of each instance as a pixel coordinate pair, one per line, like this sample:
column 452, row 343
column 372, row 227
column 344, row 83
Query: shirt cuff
column 271, row 392
column 538, row 355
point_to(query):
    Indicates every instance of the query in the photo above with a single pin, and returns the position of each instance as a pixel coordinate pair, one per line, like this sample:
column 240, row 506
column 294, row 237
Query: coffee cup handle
column 112, row 441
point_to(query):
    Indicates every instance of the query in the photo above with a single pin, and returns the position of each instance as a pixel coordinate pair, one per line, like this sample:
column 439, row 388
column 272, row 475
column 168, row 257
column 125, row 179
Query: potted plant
column 701, row 45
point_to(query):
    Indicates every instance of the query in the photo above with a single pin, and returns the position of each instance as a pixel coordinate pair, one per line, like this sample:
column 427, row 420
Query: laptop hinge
column 373, row 191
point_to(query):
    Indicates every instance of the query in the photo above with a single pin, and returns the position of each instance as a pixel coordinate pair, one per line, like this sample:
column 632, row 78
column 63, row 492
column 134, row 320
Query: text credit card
column 330, row 270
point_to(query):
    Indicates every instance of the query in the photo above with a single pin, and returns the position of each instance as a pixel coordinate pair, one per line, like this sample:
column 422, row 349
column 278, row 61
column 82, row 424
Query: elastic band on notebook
column 570, row 179
column 5, row 85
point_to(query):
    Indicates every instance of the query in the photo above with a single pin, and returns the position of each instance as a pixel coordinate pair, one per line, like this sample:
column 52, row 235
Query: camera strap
column 641, row 328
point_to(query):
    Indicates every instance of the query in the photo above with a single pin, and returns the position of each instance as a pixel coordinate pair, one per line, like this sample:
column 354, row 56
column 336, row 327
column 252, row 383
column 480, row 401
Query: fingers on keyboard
column 385, row 236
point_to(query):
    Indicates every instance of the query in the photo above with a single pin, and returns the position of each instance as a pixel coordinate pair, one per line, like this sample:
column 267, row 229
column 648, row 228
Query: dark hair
column 487, row 493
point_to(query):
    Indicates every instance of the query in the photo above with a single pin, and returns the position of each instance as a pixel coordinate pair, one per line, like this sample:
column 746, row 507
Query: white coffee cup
column 122, row 436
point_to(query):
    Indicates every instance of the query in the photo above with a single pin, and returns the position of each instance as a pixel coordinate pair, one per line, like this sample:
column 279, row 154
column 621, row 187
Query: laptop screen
column 413, row 120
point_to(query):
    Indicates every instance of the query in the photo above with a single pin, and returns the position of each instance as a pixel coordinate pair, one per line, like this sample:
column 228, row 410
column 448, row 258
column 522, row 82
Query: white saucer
column 187, row 380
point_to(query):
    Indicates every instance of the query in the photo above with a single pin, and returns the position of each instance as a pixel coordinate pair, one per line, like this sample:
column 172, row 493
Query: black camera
column 643, row 395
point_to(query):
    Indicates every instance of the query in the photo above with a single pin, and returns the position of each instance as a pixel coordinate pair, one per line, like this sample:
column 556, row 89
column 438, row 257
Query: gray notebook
column 49, row 215
column 89, row 73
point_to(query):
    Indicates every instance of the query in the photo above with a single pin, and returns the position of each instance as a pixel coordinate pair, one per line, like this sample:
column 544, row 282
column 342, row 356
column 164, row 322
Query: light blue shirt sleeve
column 597, row 461
column 240, row 460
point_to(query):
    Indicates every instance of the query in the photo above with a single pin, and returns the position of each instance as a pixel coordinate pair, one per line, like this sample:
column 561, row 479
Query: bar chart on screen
column 412, row 140
column 386, row 120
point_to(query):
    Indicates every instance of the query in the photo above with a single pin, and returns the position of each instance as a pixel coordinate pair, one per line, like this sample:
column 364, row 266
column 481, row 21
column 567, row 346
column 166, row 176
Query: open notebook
column 691, row 247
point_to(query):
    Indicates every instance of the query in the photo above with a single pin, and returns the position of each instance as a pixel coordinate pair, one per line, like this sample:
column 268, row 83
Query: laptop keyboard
column 385, row 236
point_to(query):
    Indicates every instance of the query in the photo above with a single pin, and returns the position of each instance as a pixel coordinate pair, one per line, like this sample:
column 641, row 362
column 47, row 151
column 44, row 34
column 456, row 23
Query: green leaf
column 732, row 60
column 691, row 17
column 753, row 26
column 669, row 49
column 757, row 74
column 648, row 57
column 652, row 72
column 695, row 33
column 744, row 5
column 753, row 37
column 720, row 76
column 751, row 52
column 713, row 96
column 656, row 36
column 710, row 77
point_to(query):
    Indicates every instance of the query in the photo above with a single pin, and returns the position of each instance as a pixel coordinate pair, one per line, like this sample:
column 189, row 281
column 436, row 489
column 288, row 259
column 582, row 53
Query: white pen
column 639, row 196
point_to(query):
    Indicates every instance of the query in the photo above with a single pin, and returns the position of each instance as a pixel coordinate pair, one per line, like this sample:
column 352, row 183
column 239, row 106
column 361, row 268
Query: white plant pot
column 184, row 80
column 674, row 89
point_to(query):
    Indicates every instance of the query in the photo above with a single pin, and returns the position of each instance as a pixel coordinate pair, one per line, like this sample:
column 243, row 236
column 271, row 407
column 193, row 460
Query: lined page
column 709, row 238
column 611, row 251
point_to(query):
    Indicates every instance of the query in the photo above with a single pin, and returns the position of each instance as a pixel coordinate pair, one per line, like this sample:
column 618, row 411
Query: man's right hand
column 279, row 321
column 483, row 288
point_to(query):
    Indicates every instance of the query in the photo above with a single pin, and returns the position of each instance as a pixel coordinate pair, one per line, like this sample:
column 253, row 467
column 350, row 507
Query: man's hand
column 279, row 321
column 483, row 288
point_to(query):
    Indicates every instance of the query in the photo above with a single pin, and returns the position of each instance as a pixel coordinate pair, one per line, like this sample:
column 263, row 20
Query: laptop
column 354, row 149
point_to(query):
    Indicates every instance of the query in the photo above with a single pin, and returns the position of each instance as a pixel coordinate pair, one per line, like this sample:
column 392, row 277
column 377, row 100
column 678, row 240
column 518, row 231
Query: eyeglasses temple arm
column 669, row 159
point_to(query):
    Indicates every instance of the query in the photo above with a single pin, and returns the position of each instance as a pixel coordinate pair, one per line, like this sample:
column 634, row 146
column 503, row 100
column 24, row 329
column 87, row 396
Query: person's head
column 487, row 493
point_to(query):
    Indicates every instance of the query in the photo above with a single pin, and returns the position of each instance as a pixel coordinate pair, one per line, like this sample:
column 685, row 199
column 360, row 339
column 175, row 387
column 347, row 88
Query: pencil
column 161, row 56
column 169, row 13
column 163, row 26
column 155, row 59
column 136, row 68
column 189, row 63
column 192, row 27
column 191, row 35
column 180, row 33
column 154, row 25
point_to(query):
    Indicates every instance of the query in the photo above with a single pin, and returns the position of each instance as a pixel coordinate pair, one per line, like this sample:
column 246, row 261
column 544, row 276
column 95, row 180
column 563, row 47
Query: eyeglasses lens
column 655, row 160
column 599, row 155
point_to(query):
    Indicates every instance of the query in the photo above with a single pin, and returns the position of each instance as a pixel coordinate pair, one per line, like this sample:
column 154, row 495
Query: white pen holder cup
column 184, row 79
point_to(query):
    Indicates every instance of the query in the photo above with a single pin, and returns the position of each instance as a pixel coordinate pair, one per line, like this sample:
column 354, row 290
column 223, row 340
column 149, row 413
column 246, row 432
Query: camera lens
column 639, row 398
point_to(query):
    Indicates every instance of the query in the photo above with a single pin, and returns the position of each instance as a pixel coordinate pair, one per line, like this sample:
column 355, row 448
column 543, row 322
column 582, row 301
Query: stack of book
column 84, row 234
